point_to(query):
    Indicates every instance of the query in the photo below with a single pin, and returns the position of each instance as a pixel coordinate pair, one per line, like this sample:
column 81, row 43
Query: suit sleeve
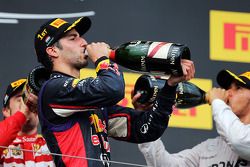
column 230, row 127
column 10, row 127
column 156, row 155
column 137, row 127
column 104, row 90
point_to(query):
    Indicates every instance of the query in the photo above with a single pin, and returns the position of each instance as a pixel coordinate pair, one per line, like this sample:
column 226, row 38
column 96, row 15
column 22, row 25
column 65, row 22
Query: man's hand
column 138, row 106
column 24, row 108
column 217, row 93
column 97, row 50
column 188, row 73
column 32, row 102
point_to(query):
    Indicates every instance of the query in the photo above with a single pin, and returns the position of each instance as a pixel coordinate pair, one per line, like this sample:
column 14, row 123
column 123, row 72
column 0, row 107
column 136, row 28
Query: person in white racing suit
column 231, row 113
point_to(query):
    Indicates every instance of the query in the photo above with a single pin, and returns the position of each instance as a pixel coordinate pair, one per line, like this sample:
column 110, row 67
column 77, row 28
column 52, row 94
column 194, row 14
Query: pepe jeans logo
column 144, row 128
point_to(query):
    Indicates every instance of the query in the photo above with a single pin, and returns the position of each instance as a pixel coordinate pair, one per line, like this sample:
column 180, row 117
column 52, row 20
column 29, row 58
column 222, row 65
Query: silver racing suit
column 231, row 148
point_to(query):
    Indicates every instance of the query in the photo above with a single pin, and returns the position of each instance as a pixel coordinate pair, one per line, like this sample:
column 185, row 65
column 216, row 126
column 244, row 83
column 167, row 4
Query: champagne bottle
column 148, row 86
column 152, row 57
column 34, row 81
column 187, row 94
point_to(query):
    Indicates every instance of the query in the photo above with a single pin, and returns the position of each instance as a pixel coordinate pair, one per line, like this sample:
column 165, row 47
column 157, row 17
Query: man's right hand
column 188, row 73
column 32, row 102
column 24, row 108
column 217, row 93
column 30, row 105
column 97, row 50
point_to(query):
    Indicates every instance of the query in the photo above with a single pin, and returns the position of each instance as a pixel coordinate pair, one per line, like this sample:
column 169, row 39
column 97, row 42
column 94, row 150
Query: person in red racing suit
column 27, row 148
column 78, row 115
column 10, row 126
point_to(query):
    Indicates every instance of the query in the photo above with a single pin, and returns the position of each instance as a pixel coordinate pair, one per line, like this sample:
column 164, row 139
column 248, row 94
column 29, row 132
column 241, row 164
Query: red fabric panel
column 10, row 127
column 71, row 142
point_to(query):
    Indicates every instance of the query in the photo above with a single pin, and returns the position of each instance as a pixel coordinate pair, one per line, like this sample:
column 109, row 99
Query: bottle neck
column 205, row 98
column 112, row 55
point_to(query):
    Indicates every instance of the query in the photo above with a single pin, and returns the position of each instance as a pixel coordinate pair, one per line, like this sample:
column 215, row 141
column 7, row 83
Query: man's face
column 15, row 103
column 73, row 48
column 239, row 100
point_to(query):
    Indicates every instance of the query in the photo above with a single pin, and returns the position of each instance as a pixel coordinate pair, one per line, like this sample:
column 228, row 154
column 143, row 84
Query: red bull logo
column 100, row 126
column 95, row 141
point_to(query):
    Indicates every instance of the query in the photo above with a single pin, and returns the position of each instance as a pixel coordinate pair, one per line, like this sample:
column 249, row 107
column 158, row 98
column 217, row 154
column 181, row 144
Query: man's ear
column 6, row 112
column 52, row 51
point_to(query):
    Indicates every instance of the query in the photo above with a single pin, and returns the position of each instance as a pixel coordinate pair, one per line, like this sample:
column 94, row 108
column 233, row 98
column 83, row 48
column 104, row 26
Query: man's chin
column 83, row 65
column 28, row 127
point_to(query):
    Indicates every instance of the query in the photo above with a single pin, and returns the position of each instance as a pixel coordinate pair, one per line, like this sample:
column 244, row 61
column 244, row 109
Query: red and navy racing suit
column 78, row 115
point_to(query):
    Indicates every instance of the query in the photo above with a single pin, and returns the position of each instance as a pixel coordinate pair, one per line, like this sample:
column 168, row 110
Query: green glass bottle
column 188, row 95
column 148, row 86
column 35, row 80
column 153, row 57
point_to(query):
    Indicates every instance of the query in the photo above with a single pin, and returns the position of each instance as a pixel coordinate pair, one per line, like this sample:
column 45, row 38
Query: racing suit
column 10, row 127
column 37, row 156
column 78, row 115
column 210, row 153
column 231, row 128
column 217, row 152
